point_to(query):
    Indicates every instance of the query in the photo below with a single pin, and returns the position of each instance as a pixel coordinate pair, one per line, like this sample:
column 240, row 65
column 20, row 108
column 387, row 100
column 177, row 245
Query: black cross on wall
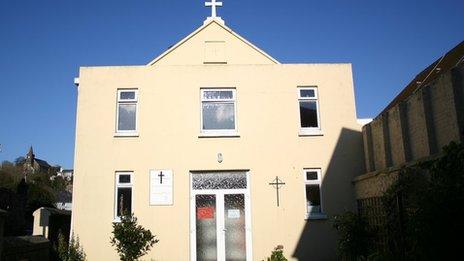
column 161, row 175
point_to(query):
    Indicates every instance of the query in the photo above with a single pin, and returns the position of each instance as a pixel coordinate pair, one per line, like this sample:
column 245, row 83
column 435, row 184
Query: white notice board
column 161, row 187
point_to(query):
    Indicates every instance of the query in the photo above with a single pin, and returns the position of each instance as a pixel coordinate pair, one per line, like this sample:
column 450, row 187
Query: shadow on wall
column 318, row 240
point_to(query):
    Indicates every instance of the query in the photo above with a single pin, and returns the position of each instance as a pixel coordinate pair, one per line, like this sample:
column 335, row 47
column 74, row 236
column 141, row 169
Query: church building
column 32, row 164
column 219, row 149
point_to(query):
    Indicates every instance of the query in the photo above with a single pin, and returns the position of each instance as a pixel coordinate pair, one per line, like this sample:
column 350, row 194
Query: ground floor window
column 312, row 180
column 123, row 195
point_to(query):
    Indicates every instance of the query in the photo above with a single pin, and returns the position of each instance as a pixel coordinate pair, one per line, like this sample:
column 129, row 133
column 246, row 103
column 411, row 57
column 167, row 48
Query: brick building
column 427, row 115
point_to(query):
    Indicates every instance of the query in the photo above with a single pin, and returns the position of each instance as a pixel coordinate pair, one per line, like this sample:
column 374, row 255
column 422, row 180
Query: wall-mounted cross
column 213, row 5
column 277, row 183
column 161, row 175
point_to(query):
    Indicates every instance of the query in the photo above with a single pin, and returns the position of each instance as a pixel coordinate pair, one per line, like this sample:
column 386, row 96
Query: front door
column 220, row 216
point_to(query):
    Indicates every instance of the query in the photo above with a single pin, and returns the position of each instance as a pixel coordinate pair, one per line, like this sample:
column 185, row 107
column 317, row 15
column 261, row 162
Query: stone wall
column 411, row 131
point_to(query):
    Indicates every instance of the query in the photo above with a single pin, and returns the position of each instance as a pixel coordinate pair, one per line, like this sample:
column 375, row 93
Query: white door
column 220, row 216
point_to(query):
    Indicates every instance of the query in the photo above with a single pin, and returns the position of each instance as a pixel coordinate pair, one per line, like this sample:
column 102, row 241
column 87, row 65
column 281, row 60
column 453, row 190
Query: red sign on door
column 205, row 213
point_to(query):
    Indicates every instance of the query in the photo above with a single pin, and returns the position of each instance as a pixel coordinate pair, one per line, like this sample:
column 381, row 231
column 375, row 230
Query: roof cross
column 213, row 5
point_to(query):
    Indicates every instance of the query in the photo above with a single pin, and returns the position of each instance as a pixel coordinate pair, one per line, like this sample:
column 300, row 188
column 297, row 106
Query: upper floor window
column 218, row 109
column 309, row 110
column 123, row 193
column 127, row 111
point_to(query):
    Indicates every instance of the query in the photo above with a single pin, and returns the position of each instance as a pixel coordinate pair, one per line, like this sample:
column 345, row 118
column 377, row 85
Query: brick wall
column 415, row 129
column 396, row 137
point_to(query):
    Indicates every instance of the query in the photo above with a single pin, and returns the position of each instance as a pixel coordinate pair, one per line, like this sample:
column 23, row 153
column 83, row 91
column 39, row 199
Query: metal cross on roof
column 213, row 5
column 277, row 183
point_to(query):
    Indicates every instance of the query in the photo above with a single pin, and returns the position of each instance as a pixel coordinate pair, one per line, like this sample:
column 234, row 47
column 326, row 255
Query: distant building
column 66, row 174
column 64, row 200
column 33, row 164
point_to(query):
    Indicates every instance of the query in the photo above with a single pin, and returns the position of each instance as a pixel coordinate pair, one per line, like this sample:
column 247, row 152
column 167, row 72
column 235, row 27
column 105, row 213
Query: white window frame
column 123, row 185
column 219, row 132
column 318, row 181
column 135, row 101
column 309, row 131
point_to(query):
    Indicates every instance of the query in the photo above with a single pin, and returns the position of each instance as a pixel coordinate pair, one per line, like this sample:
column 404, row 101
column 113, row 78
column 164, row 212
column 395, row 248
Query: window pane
column 313, row 198
column 126, row 120
column 218, row 116
column 206, row 227
column 124, row 178
column 234, row 223
column 218, row 95
column 129, row 95
column 308, row 114
column 311, row 175
column 124, row 201
column 228, row 180
column 307, row 93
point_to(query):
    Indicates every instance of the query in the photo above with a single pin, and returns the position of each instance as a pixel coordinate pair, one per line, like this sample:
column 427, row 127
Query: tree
column 277, row 254
column 354, row 240
column 70, row 252
column 19, row 161
column 423, row 214
column 131, row 240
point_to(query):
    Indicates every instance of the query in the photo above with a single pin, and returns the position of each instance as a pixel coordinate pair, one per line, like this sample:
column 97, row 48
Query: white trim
column 318, row 181
column 127, row 133
column 219, row 194
column 218, row 22
column 122, row 185
column 219, row 132
column 363, row 122
column 76, row 81
column 309, row 131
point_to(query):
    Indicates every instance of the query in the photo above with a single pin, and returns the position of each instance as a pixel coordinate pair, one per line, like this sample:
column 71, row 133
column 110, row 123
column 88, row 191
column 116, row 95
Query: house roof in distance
column 445, row 63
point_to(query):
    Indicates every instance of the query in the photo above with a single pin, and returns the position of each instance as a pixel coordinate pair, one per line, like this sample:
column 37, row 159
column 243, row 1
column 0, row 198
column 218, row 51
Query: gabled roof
column 42, row 163
column 207, row 23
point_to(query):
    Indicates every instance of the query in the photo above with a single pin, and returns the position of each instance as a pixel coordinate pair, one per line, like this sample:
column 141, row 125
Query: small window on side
column 312, row 180
column 123, row 194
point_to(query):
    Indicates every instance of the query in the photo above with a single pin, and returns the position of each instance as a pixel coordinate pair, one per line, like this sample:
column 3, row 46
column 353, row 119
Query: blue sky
column 43, row 43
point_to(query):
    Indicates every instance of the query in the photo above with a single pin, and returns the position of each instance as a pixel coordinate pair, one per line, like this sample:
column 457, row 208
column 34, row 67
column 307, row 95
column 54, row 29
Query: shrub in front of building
column 131, row 240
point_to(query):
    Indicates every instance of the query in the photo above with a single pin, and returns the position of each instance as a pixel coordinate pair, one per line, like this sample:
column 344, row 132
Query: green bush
column 425, row 208
column 423, row 214
column 70, row 252
column 132, row 241
column 277, row 254
column 355, row 239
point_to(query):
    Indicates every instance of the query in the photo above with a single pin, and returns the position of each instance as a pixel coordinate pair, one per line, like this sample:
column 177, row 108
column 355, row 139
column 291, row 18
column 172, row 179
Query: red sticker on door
column 205, row 213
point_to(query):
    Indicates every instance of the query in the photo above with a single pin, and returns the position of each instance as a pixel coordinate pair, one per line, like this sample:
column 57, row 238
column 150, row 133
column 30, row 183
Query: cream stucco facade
column 267, row 144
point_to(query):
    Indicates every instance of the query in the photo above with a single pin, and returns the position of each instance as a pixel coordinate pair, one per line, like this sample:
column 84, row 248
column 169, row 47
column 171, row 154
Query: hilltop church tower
column 33, row 164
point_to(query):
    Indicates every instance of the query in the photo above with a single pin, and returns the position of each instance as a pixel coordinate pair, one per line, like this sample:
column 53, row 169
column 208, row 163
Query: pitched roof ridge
column 199, row 29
